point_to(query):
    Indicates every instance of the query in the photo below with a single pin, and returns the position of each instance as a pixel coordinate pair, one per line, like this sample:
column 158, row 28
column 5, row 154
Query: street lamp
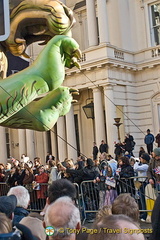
column 89, row 110
column 117, row 124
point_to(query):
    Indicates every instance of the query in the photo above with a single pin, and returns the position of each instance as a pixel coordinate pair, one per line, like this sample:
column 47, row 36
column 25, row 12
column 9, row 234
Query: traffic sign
column 4, row 20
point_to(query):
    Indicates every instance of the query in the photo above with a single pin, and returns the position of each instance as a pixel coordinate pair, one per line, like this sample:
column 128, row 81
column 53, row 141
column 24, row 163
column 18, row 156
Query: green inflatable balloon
column 21, row 104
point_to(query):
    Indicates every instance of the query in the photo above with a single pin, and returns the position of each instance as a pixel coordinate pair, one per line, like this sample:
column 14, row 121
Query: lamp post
column 117, row 124
column 89, row 112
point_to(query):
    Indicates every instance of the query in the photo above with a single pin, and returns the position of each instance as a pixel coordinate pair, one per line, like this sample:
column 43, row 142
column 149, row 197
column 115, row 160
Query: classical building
column 119, row 78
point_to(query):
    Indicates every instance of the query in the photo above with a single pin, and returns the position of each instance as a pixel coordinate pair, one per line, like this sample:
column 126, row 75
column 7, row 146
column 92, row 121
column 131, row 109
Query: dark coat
column 95, row 152
column 19, row 213
column 103, row 148
column 127, row 171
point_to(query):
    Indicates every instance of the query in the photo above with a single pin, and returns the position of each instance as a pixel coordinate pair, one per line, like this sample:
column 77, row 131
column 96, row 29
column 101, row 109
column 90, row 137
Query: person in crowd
column 57, row 189
column 7, row 171
column 102, row 158
column 87, row 173
column 142, row 168
column 15, row 162
column 35, row 223
column 116, row 227
column 41, row 189
column 8, row 205
column 129, row 143
column 37, row 164
column 157, row 139
column 61, row 188
column 103, row 147
column 95, row 151
column 28, row 176
column 52, row 171
column 112, row 162
column 149, row 140
column 23, row 199
column 64, row 162
column 125, row 204
column 60, row 171
column 5, row 224
column 132, row 161
column 70, row 166
column 153, row 172
column 104, row 211
column 49, row 156
column 2, row 173
column 63, row 214
column 101, row 186
column 126, row 171
column 141, row 151
column 14, row 176
column 155, row 220
column 117, row 150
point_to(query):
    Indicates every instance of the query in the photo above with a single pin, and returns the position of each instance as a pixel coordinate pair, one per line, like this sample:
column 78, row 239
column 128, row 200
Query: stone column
column 22, row 142
column 30, row 143
column 92, row 23
column 3, row 148
column 54, row 142
column 61, row 135
column 102, row 21
column 71, row 135
column 99, row 116
column 110, row 112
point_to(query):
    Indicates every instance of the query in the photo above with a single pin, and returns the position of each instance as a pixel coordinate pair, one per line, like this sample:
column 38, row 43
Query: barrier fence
column 89, row 197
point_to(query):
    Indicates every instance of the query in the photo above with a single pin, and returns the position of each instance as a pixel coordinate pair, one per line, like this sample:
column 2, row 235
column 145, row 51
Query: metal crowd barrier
column 88, row 195
column 143, row 193
column 38, row 195
column 4, row 188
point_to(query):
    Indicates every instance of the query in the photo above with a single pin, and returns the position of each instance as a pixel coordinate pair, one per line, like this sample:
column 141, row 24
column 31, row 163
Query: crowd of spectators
column 56, row 194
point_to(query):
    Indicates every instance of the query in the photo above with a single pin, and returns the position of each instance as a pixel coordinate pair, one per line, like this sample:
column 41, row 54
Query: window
column 155, row 23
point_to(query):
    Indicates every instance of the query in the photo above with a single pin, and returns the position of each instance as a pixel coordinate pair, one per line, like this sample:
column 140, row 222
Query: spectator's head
column 80, row 165
column 8, row 166
column 144, row 158
column 123, row 161
column 125, row 204
column 69, row 163
column 8, row 205
column 105, row 211
column 37, row 161
column 5, row 224
column 61, row 188
column 148, row 131
column 62, row 214
column 102, row 142
column 35, row 225
column 132, row 161
column 60, row 167
column 90, row 163
column 51, row 163
column 116, row 227
column 22, row 195
column 41, row 169
column 156, row 152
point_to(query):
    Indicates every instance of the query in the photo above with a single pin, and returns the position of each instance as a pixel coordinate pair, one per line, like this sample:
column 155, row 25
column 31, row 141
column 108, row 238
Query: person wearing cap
column 142, row 168
column 149, row 140
column 8, row 205
column 153, row 172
